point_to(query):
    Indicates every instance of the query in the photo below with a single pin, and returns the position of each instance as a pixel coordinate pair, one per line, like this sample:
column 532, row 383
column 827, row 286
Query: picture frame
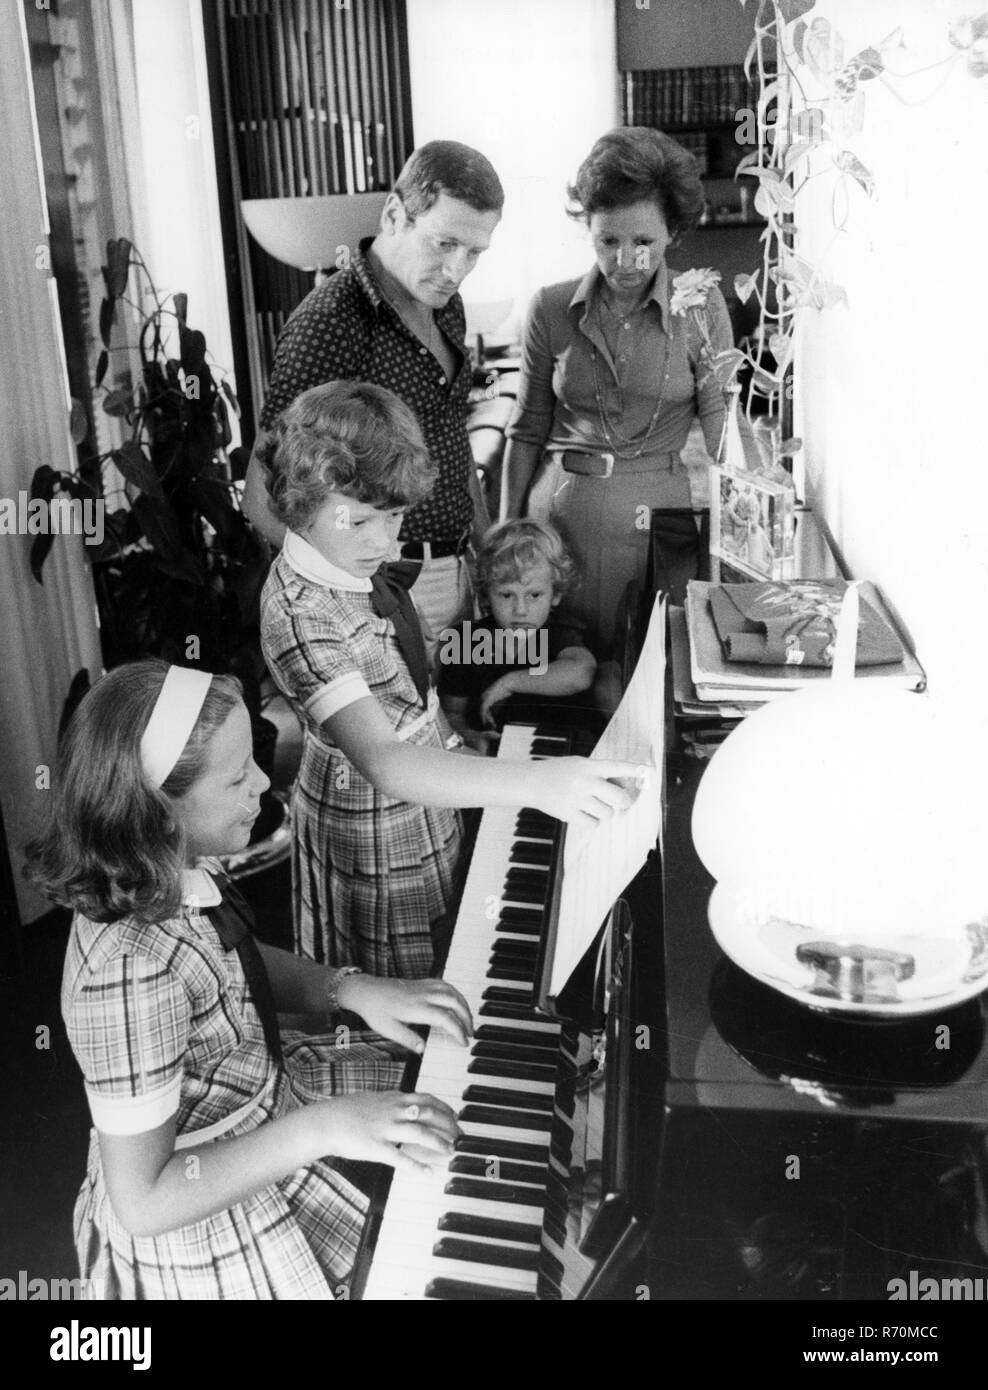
column 752, row 524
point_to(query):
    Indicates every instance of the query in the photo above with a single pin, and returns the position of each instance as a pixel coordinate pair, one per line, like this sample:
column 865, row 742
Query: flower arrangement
column 689, row 299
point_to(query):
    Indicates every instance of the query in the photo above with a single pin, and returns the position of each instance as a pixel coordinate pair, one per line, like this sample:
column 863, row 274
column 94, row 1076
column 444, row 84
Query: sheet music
column 599, row 863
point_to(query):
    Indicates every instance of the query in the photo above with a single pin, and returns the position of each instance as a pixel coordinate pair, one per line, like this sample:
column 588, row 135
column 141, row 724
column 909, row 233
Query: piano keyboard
column 474, row 1229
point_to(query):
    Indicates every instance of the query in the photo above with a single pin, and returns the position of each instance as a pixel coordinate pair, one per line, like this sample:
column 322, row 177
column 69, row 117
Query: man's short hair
column 446, row 166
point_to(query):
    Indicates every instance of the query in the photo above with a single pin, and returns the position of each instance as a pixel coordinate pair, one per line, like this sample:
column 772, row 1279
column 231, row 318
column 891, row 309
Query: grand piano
column 676, row 1131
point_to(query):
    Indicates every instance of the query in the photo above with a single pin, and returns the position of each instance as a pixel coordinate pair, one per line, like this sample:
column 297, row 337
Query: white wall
column 532, row 84
column 892, row 392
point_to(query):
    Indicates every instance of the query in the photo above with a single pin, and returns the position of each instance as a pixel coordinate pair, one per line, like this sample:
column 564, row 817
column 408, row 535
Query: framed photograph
column 751, row 524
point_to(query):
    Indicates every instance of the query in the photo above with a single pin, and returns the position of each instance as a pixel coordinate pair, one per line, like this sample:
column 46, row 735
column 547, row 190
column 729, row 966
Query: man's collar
column 363, row 268
column 307, row 562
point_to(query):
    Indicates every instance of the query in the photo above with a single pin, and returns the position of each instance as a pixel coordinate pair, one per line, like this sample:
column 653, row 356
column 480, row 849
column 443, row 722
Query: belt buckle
column 608, row 465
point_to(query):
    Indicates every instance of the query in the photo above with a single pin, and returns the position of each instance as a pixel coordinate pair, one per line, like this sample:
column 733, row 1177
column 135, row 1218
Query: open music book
column 598, row 864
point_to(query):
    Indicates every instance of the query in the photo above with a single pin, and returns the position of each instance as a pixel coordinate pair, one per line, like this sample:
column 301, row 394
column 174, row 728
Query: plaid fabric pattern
column 346, row 330
column 371, row 876
column 152, row 1006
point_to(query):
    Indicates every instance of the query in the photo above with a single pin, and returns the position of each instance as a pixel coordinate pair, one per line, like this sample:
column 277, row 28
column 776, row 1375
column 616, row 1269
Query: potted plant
column 178, row 572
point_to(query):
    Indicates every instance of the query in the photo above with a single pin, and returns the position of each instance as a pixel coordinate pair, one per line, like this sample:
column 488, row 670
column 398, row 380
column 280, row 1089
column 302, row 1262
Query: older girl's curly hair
column 635, row 164
column 110, row 846
column 350, row 437
column 511, row 548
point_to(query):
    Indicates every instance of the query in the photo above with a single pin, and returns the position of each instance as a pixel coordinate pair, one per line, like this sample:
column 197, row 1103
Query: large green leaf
column 159, row 526
column 117, row 266
column 137, row 468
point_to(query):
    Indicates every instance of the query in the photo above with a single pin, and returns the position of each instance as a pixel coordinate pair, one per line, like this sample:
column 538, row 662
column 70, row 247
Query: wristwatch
column 335, row 979
column 453, row 742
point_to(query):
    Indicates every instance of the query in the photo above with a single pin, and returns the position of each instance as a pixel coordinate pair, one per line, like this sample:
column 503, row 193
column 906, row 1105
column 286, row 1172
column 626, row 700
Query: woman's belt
column 601, row 465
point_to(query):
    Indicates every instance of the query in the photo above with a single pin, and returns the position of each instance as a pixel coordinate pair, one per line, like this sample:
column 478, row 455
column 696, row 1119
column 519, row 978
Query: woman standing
column 612, row 377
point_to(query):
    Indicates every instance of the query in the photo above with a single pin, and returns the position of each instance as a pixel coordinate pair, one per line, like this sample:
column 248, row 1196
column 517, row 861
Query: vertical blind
column 319, row 103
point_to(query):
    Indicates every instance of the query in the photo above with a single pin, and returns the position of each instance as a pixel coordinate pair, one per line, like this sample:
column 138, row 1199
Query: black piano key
column 464, row 1223
column 537, row 878
column 530, row 852
column 513, row 1011
column 507, row 1119
column 462, row 1290
column 511, row 1071
column 508, row 1052
column 476, row 1252
column 497, row 1169
column 518, row 928
column 520, row 1100
column 507, row 994
column 511, row 972
column 507, row 948
column 491, row 1032
column 525, row 891
column 516, row 1193
column 548, row 747
column 500, row 1148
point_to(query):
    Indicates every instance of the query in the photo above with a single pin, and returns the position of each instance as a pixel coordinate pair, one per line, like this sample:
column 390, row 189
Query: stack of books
column 736, row 646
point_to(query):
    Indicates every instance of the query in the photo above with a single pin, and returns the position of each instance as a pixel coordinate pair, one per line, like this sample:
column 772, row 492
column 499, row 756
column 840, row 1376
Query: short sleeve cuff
column 134, row 1114
column 330, row 699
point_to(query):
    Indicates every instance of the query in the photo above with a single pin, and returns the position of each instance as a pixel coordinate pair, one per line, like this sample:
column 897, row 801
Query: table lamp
column 312, row 233
column 841, row 826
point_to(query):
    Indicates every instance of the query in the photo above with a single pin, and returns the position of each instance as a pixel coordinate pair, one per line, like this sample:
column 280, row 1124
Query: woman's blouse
column 564, row 391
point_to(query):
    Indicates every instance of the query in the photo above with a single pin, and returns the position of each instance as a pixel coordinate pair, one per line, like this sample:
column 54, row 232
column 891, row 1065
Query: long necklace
column 615, row 440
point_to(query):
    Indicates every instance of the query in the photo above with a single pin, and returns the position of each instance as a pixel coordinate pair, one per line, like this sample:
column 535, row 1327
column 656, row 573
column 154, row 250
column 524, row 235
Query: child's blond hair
column 511, row 548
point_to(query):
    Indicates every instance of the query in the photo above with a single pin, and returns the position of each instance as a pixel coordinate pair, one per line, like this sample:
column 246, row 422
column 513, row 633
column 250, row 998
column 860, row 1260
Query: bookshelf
column 699, row 106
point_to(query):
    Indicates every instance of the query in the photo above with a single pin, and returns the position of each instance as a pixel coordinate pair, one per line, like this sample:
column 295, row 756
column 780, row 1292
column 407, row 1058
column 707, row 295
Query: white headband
column 173, row 718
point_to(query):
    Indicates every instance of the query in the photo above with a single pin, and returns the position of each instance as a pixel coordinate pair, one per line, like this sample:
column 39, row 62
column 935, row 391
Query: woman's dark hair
column 110, row 846
column 632, row 165
column 350, row 437
column 446, row 166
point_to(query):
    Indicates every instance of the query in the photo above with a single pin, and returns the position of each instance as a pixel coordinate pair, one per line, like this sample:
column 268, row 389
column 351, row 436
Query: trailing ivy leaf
column 102, row 362
column 823, row 49
column 766, row 174
column 118, row 403
column 867, row 64
column 780, row 346
column 118, row 266
column 137, row 468
column 767, row 96
column 794, row 9
column 78, row 421
column 849, row 163
column 181, row 302
column 798, row 39
column 788, row 447
column 829, row 295
column 40, row 546
column 43, row 483
column 749, row 57
column 744, row 164
column 744, row 286
column 793, row 156
column 107, row 314
column 726, row 365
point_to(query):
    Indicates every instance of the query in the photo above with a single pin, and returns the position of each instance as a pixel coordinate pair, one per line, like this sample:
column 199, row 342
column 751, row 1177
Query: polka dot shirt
column 346, row 329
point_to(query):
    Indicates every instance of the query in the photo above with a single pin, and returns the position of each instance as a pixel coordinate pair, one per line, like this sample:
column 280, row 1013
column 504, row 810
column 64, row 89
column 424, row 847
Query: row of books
column 737, row 646
column 672, row 97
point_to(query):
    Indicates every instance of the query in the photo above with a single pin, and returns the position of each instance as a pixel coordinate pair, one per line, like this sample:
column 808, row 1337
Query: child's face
column 218, row 811
column 353, row 535
column 525, row 602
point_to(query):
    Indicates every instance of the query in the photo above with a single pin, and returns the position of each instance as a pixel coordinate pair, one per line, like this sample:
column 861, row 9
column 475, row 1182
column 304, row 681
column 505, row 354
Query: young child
column 207, row 1176
column 520, row 647
column 374, row 839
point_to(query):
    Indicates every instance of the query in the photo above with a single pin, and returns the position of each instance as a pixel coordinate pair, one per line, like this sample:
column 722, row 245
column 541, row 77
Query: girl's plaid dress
column 371, row 876
column 162, row 1024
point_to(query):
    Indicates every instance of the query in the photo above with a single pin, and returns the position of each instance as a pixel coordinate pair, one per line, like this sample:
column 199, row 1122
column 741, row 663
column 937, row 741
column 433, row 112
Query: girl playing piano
column 170, row 1006
column 374, row 839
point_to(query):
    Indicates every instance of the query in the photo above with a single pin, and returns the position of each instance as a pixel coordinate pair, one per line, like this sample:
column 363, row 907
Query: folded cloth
column 795, row 624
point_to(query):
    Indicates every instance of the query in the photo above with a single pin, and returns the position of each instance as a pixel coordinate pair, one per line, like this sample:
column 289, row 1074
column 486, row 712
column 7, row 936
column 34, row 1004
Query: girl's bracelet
column 336, row 978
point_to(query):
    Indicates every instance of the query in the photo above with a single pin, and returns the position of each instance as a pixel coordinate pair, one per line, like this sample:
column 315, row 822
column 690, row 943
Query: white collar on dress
column 199, row 888
column 307, row 561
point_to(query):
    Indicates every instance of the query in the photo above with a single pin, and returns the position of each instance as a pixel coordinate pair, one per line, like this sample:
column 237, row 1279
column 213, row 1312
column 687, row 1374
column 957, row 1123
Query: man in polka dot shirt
column 393, row 316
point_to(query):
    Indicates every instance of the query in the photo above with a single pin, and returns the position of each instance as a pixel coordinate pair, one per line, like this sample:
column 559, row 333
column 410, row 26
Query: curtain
column 50, row 631
column 532, row 84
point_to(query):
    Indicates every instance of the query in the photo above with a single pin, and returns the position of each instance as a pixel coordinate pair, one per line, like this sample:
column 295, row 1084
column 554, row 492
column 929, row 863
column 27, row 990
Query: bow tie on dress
column 390, row 599
column 233, row 919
